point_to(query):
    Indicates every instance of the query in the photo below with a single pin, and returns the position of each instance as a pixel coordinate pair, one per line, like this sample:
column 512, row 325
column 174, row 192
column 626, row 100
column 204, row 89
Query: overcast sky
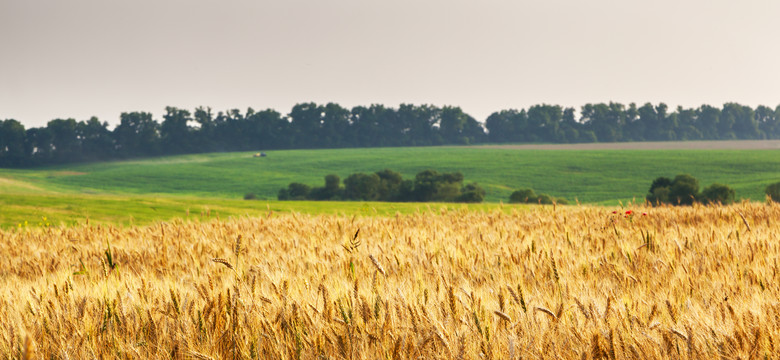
column 79, row 58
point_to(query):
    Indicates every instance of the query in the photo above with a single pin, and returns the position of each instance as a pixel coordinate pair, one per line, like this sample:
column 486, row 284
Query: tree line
column 311, row 125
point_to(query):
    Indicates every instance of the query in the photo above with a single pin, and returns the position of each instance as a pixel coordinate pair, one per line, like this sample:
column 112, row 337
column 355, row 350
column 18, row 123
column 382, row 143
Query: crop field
column 574, row 282
column 590, row 176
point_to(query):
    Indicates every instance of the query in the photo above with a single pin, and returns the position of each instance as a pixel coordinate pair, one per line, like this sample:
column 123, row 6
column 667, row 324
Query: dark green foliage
column 471, row 193
column 361, row 186
column 250, row 196
column 174, row 132
column 544, row 199
column 660, row 182
column 12, row 144
column 295, row 191
column 522, row 196
column 311, row 125
column 388, row 185
column 331, row 191
column 430, row 185
column 137, row 135
column 528, row 196
column 684, row 190
column 332, row 183
column 717, row 194
column 773, row 191
column 658, row 195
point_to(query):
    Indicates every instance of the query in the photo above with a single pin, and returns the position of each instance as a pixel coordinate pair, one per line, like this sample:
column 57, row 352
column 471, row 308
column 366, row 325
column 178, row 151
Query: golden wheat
column 583, row 283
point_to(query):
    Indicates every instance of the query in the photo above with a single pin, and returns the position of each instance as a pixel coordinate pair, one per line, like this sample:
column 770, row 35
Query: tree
column 727, row 119
column 500, row 126
column 544, row 122
column 38, row 144
column 570, row 128
column 650, row 123
column 742, row 118
column 65, row 143
column 606, row 121
column 174, row 132
column 451, row 125
column 137, row 134
column 768, row 122
column 96, row 140
column 12, row 144
column 335, row 126
column 718, row 194
column 686, row 124
column 306, row 121
column 708, row 122
column 205, row 128
column 416, row 124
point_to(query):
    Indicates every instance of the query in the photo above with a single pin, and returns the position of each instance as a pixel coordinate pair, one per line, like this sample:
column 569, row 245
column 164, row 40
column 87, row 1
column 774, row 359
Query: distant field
column 593, row 176
column 652, row 145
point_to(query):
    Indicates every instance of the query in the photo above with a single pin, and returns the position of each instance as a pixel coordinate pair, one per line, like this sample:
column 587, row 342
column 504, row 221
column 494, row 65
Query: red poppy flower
column 629, row 212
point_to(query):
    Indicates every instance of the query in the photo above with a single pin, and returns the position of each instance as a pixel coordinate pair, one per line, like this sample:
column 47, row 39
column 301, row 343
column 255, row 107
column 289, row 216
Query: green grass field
column 26, row 210
column 125, row 190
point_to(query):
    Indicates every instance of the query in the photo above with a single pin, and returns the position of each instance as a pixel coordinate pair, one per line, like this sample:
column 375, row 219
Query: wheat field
column 575, row 282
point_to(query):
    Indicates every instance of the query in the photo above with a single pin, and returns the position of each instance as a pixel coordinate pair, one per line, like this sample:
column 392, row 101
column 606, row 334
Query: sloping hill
column 592, row 176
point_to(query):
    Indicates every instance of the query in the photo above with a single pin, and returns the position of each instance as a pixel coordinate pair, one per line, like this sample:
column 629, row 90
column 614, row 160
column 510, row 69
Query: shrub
column 332, row 183
column 528, row 196
column 360, row 186
column 430, row 185
column 773, row 191
column 684, row 189
column 331, row 191
column 522, row 196
column 294, row 191
column 544, row 199
column 659, row 190
column 471, row 193
column 718, row 193
column 250, row 196
column 388, row 185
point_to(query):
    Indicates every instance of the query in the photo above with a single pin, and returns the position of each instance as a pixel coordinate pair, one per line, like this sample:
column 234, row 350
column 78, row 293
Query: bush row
column 430, row 185
column 388, row 185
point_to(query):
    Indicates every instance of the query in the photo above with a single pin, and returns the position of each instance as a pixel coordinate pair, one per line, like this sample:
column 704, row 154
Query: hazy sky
column 79, row 58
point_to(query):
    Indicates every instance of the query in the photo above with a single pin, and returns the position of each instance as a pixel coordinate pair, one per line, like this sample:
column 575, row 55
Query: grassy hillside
column 145, row 191
column 596, row 176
